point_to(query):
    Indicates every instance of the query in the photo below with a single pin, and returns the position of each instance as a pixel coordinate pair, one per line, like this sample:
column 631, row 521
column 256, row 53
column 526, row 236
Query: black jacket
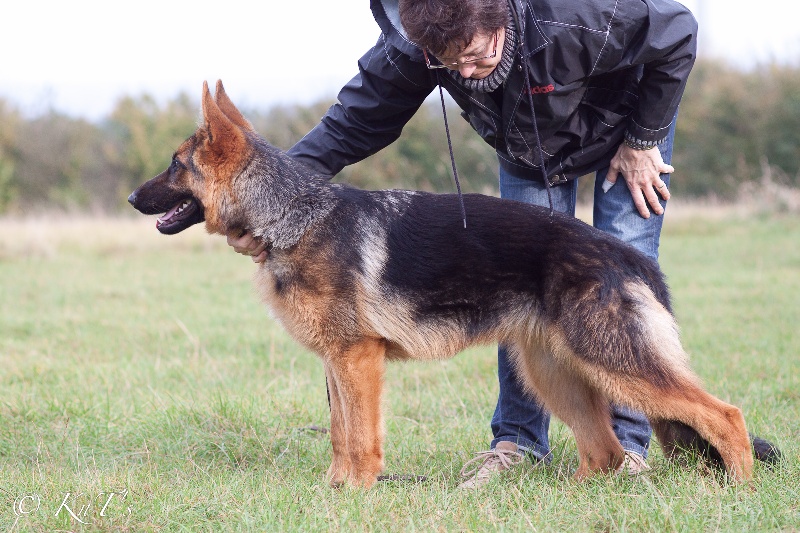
column 597, row 67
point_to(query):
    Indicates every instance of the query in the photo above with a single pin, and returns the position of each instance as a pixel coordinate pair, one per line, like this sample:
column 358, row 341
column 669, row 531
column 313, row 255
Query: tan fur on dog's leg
column 358, row 376
column 340, row 462
column 721, row 424
column 581, row 407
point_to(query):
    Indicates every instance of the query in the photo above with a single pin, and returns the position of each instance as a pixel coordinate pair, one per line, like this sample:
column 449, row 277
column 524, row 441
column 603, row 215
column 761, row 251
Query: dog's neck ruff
column 289, row 200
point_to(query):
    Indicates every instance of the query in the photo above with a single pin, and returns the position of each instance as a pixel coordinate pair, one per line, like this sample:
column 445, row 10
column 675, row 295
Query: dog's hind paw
column 765, row 451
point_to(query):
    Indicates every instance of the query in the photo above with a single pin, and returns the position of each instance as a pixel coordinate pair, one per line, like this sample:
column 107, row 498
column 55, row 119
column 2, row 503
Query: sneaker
column 633, row 465
column 486, row 464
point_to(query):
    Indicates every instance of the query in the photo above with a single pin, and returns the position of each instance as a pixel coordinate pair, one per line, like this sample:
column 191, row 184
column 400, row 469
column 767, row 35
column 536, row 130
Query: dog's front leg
column 340, row 463
column 356, row 374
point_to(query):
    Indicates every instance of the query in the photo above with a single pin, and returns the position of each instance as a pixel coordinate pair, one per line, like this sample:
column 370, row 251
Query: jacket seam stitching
column 471, row 98
column 389, row 58
column 510, row 160
column 651, row 129
column 608, row 33
column 575, row 26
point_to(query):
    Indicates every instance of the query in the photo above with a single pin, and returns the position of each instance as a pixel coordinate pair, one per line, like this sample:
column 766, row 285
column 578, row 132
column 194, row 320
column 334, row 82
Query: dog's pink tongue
column 169, row 214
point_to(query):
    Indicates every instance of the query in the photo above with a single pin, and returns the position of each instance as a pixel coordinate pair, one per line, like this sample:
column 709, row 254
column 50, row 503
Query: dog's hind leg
column 355, row 376
column 631, row 351
column 677, row 414
column 676, row 396
column 579, row 405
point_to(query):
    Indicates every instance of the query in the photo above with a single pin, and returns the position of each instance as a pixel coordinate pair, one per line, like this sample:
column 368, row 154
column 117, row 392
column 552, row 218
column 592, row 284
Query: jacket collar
column 528, row 27
column 387, row 15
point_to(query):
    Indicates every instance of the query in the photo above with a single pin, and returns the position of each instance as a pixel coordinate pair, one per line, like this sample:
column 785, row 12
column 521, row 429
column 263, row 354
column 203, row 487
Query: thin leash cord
column 527, row 87
column 450, row 147
column 536, row 133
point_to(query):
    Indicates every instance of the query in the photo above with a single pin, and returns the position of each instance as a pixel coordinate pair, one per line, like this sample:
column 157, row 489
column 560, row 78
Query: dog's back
column 514, row 266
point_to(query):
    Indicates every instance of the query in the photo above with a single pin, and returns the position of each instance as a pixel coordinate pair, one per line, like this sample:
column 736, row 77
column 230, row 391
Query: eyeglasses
column 457, row 64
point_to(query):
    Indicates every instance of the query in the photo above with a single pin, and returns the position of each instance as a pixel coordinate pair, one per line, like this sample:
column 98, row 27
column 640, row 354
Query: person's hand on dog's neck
column 246, row 244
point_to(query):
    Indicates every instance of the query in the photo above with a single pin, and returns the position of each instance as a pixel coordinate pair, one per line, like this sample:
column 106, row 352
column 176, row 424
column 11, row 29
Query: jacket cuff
column 640, row 144
column 639, row 135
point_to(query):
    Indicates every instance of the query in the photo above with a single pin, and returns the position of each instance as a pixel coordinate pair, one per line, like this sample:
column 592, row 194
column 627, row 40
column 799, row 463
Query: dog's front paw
column 363, row 479
column 364, row 472
column 338, row 472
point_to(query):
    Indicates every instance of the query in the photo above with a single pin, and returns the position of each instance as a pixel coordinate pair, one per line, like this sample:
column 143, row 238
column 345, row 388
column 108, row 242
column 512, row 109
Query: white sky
column 80, row 56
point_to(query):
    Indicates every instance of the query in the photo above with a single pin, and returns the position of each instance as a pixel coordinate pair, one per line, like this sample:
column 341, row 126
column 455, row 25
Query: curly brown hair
column 450, row 25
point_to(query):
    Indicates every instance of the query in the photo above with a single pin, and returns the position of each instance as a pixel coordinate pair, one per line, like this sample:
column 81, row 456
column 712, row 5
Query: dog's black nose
column 132, row 198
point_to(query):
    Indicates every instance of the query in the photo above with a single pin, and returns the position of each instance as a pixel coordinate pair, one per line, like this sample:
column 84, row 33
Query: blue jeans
column 520, row 419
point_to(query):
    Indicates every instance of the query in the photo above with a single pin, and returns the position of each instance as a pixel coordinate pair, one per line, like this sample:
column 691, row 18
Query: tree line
column 733, row 124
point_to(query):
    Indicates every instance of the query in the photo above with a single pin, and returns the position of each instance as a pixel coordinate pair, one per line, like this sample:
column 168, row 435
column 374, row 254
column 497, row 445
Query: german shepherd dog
column 362, row 277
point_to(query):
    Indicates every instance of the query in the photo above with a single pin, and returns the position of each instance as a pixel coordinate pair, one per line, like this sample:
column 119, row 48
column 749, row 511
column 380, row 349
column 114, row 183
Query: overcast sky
column 80, row 56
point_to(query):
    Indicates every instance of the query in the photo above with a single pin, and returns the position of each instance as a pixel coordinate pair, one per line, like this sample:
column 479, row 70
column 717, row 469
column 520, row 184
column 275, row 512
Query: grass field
column 143, row 387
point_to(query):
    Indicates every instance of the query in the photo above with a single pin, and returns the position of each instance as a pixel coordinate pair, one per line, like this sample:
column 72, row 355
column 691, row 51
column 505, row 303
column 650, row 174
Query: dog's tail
column 677, row 438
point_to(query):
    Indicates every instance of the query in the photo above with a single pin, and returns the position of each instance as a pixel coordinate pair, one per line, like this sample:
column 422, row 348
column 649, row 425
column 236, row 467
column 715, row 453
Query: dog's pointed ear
column 223, row 139
column 230, row 110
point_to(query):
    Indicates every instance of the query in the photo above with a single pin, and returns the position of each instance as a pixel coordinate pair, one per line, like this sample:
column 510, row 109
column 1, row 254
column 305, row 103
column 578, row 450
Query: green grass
column 144, row 365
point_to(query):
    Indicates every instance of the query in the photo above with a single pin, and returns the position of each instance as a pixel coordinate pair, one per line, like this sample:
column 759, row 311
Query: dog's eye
column 177, row 165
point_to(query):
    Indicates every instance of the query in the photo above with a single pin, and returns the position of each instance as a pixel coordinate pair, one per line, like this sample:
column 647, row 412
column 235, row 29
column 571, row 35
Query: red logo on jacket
column 543, row 89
